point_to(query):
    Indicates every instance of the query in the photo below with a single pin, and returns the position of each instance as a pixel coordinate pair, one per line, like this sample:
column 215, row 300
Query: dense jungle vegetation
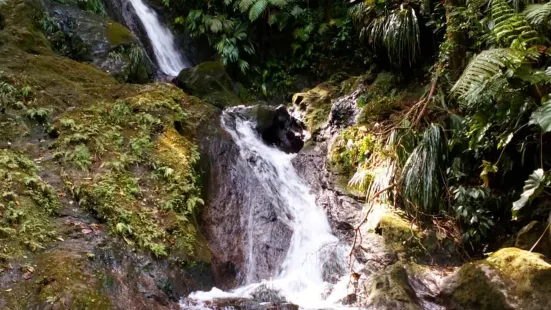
column 470, row 149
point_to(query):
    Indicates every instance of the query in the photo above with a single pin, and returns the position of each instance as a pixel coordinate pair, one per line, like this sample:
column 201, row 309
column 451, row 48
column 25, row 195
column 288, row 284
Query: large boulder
column 88, row 37
column 510, row 278
column 210, row 82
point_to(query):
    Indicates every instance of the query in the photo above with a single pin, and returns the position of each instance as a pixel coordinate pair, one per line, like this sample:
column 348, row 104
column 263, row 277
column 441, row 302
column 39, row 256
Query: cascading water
column 168, row 58
column 311, row 275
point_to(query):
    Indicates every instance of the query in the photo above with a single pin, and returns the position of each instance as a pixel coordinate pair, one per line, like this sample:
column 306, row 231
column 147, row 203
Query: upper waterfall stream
column 312, row 274
column 168, row 58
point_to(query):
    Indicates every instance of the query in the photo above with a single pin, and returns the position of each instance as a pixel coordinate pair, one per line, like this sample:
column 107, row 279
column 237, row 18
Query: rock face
column 236, row 200
column 88, row 37
column 210, row 82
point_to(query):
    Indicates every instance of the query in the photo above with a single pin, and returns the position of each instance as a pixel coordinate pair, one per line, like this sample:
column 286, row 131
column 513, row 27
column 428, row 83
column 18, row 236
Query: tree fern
column 538, row 15
column 485, row 66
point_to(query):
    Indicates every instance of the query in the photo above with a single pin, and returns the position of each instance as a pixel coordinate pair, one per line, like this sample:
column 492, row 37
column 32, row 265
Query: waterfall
column 314, row 254
column 168, row 58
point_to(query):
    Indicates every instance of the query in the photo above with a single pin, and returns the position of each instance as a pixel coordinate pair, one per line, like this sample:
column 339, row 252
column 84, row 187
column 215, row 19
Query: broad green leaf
column 542, row 117
column 257, row 9
column 532, row 188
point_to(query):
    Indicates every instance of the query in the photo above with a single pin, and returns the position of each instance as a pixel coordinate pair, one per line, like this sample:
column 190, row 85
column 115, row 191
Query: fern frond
column 485, row 66
column 538, row 15
column 257, row 9
column 244, row 5
column 510, row 26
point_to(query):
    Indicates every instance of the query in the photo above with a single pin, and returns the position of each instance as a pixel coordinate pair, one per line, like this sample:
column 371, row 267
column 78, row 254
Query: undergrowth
column 142, row 180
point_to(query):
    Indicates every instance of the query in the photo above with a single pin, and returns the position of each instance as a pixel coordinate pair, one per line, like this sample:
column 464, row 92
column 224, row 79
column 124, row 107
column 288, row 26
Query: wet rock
column 277, row 127
column 87, row 37
column 210, row 82
column 265, row 294
column 244, row 304
column 232, row 189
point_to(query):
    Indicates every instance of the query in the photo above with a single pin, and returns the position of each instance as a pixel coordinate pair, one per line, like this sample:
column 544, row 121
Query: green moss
column 528, row 272
column 349, row 85
column 352, row 147
column 401, row 234
column 315, row 104
column 117, row 34
column 58, row 280
column 128, row 152
column 472, row 289
column 379, row 109
column 26, row 203
column 141, row 178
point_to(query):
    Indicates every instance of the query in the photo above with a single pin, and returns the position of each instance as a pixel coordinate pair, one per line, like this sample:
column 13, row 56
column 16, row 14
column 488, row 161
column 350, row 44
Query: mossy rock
column 88, row 37
column 351, row 148
column 527, row 274
column 379, row 109
column 510, row 278
column 401, row 235
column 474, row 286
column 389, row 289
column 315, row 104
column 117, row 34
column 57, row 280
column 20, row 28
column 26, row 205
column 210, row 82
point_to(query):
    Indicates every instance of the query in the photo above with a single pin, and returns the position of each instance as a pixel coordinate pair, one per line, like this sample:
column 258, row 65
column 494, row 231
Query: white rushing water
column 313, row 248
column 168, row 58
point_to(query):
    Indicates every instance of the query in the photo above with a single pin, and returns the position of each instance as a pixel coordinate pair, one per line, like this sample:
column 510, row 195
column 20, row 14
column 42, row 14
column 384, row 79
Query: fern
column 257, row 9
column 510, row 27
column 485, row 66
column 538, row 15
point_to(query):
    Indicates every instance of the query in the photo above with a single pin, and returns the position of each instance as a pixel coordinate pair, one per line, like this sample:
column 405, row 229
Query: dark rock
column 210, row 82
column 277, row 127
column 85, row 36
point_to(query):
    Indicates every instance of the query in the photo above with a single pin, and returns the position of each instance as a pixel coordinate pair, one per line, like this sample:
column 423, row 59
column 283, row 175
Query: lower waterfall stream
column 314, row 273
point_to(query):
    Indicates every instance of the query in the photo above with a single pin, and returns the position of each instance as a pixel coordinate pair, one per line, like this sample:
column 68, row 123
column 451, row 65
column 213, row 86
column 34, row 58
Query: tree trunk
column 456, row 39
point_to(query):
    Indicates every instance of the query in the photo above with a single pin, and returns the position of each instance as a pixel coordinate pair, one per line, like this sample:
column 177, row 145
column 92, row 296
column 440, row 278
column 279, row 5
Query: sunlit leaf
column 532, row 188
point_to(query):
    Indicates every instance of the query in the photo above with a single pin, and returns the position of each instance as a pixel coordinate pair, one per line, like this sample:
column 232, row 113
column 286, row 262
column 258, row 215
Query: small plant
column 38, row 114
column 471, row 206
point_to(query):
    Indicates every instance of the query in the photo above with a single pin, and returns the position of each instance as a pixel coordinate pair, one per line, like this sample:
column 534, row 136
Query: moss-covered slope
column 86, row 165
